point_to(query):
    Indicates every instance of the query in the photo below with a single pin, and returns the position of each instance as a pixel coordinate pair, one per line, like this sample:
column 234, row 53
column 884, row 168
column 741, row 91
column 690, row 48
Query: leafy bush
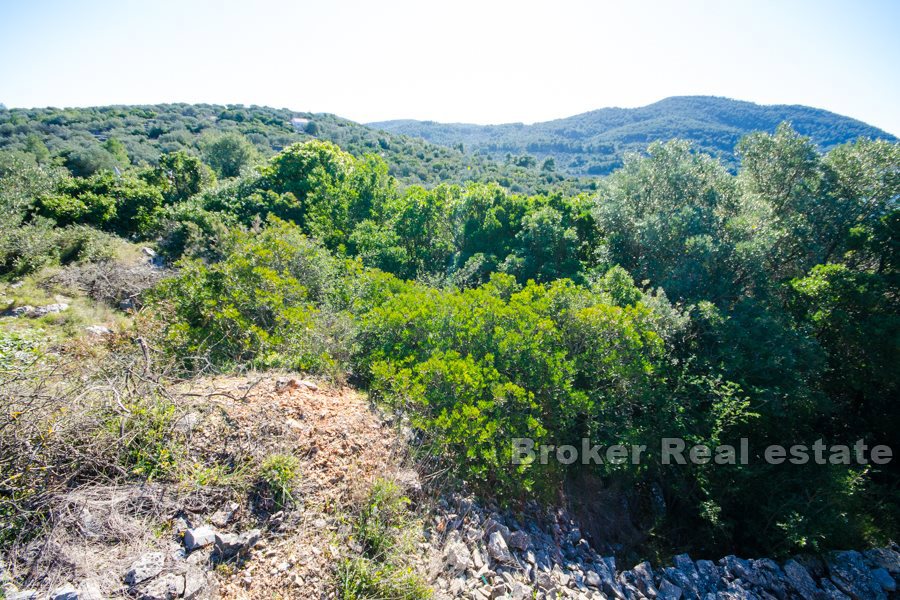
column 38, row 244
column 264, row 305
column 123, row 204
column 21, row 181
column 229, row 153
column 82, row 244
column 476, row 368
column 185, row 229
column 92, row 159
column 179, row 176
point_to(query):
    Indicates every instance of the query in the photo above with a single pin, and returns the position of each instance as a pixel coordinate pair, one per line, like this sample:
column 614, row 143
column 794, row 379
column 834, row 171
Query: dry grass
column 69, row 424
column 92, row 291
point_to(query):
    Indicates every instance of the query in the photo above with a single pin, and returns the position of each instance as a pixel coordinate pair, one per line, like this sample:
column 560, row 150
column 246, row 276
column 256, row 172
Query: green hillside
column 87, row 139
column 593, row 143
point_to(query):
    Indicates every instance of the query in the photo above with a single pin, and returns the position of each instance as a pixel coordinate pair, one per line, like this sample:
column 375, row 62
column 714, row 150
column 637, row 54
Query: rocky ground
column 204, row 537
column 480, row 554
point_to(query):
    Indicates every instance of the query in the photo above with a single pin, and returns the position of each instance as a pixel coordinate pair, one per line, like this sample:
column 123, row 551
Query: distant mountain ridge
column 593, row 143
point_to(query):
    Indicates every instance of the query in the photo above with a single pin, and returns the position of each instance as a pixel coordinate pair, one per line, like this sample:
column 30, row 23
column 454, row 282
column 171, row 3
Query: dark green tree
column 229, row 153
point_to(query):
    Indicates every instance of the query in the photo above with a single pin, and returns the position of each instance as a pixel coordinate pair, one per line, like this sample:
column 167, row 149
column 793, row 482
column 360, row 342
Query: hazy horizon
column 467, row 62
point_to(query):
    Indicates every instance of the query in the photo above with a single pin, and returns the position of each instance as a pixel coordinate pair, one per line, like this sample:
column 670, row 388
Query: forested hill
column 593, row 143
column 86, row 140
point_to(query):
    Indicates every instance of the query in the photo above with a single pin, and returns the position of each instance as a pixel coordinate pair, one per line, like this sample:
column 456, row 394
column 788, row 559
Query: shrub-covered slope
column 594, row 142
column 89, row 139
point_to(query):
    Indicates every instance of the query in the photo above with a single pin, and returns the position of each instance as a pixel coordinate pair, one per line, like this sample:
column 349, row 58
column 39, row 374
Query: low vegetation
column 381, row 531
column 279, row 473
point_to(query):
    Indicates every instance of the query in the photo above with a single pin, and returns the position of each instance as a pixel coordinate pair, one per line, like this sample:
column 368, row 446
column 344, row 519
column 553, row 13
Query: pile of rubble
column 182, row 572
column 483, row 555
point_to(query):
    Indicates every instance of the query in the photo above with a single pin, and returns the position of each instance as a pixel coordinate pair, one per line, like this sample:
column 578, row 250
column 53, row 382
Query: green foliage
column 414, row 235
column 117, row 150
column 39, row 244
column 229, row 138
column 37, row 148
column 856, row 319
column 679, row 300
column 666, row 218
column 383, row 513
column 316, row 185
column 546, row 249
column 380, row 529
column 17, row 349
column 280, row 473
column 506, row 357
column 314, row 175
column 363, row 579
column 596, row 142
column 146, row 445
column 229, row 153
column 186, row 229
column 259, row 306
column 21, row 181
column 467, row 233
column 477, row 368
column 122, row 204
column 179, row 176
column 89, row 160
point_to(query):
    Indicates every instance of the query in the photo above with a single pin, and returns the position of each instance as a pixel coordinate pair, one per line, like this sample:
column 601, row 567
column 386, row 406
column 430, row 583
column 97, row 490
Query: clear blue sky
column 483, row 61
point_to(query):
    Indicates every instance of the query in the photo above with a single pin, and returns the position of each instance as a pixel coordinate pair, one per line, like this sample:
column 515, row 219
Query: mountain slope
column 594, row 142
column 147, row 131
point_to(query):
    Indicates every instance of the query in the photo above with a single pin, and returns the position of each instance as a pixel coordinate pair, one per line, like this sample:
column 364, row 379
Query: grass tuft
column 364, row 579
column 280, row 472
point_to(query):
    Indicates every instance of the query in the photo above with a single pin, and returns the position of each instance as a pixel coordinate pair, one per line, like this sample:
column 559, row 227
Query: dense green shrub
column 264, row 305
column 477, row 368
column 186, row 229
column 21, row 181
column 229, row 153
column 123, row 204
column 91, row 159
column 179, row 176
column 316, row 185
column 39, row 244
